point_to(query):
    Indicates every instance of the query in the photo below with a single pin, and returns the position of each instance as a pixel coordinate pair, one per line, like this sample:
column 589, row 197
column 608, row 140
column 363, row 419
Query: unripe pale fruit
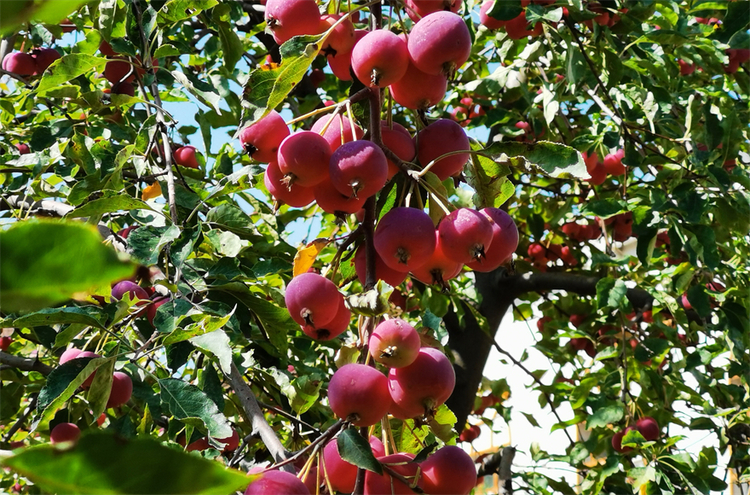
column 312, row 299
column 44, row 58
column 262, row 139
column 186, row 156
column 304, row 158
column 19, row 63
column 334, row 134
column 504, row 241
column 420, row 8
column 405, row 238
column 294, row 195
column 426, row 383
column 122, row 389
column 397, row 139
column 332, row 201
column 65, row 432
column 439, row 43
column 418, row 90
column 439, row 268
column 648, row 428
column 126, row 286
column 288, row 18
column 441, row 137
column 449, row 471
column 382, row 271
column 360, row 393
column 358, row 169
column 465, row 234
column 342, row 474
column 394, row 343
column 277, row 482
column 342, row 39
column 376, row 484
column 380, row 58
column 485, row 18
column 334, row 328
column 617, row 440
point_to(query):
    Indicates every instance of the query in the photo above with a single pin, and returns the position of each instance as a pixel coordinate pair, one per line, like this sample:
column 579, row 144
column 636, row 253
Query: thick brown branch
column 25, row 364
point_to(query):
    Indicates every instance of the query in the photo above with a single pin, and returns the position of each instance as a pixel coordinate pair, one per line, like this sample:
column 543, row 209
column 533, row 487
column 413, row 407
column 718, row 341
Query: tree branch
column 25, row 364
column 255, row 415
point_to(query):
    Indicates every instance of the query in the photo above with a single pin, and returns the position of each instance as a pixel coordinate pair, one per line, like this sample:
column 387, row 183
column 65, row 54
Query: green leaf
column 374, row 302
column 187, row 402
column 61, row 384
column 605, row 208
column 16, row 12
column 699, row 300
column 203, row 91
column 488, row 178
column 354, row 449
column 505, row 10
column 610, row 292
column 67, row 68
column 554, row 159
column 109, row 205
column 641, row 476
column 605, row 416
column 175, row 11
column 304, row 392
column 216, row 343
column 101, row 387
column 442, row 423
column 107, row 464
column 48, row 262
column 146, row 243
column 206, row 324
column 267, row 89
column 86, row 315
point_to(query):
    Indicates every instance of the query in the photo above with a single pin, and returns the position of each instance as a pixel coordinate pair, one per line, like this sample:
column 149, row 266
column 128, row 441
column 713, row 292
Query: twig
column 328, row 434
column 24, row 364
column 22, row 419
column 289, row 416
column 255, row 415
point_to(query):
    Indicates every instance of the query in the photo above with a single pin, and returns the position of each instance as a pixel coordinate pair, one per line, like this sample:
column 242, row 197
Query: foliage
column 660, row 291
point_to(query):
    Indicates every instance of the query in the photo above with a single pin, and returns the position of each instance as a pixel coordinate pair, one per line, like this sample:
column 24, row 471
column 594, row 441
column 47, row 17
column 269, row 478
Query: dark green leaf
column 178, row 10
column 146, row 242
column 699, row 300
column 68, row 68
column 505, row 10
column 45, row 263
column 107, row 464
column 488, row 178
column 86, row 315
column 604, row 416
column 605, row 208
column 610, row 292
column 554, row 159
column 188, row 403
column 354, row 449
column 108, row 205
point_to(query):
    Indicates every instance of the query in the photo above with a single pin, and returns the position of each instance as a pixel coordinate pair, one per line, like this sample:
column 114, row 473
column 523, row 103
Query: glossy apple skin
column 382, row 271
column 262, row 139
column 405, row 249
column 358, row 169
column 122, row 389
column 358, row 389
column 394, row 343
column 649, row 428
column 127, row 287
column 296, row 196
column 424, row 384
column 5, row 342
column 439, row 138
column 312, row 299
column 19, row 63
column 376, row 484
column 449, row 471
column 289, row 18
column 504, row 241
column 65, row 432
column 439, row 268
column 465, row 235
column 418, row 90
column 186, row 156
column 342, row 474
column 380, row 58
column 439, row 43
column 277, row 483
column 305, row 156
column 334, row 328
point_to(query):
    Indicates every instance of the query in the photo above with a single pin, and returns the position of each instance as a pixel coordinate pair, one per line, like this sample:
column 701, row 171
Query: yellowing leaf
column 305, row 257
column 151, row 192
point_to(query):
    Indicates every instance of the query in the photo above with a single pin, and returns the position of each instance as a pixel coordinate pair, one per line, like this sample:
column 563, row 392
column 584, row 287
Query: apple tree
column 270, row 245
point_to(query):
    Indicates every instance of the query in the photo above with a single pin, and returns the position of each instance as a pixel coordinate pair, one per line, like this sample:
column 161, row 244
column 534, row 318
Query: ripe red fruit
column 485, row 19
column 536, row 251
column 23, row 148
column 342, row 39
column 617, row 440
column 294, row 195
column 198, row 446
column 470, row 434
column 277, row 482
column 288, row 18
column 19, row 63
column 126, row 286
column 418, row 90
column 107, row 50
column 360, row 393
column 330, row 200
column 438, row 268
column 303, row 158
column 44, row 58
column 685, row 68
column 334, row 133
column 123, row 88
column 595, row 168
column 312, row 299
column 404, row 249
column 358, row 168
column 380, row 58
column 517, row 28
column 5, row 342
column 423, row 385
column 613, row 163
column 583, row 344
column 376, row 484
column 382, row 271
column 439, row 43
column 334, row 328
column 577, row 320
column 119, row 71
column 122, row 389
column 420, row 8
column 65, row 432
column 541, row 322
column 449, row 471
column 465, row 234
column 441, row 137
column 572, row 230
column 394, row 343
column 317, row 77
column 70, row 354
column 648, row 428
column 397, row 139
column 231, row 442
column 261, row 140
column 342, row 474
column 186, row 156
column 151, row 311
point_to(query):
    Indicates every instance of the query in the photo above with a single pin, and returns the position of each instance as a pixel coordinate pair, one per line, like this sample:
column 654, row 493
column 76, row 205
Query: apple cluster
column 30, row 64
